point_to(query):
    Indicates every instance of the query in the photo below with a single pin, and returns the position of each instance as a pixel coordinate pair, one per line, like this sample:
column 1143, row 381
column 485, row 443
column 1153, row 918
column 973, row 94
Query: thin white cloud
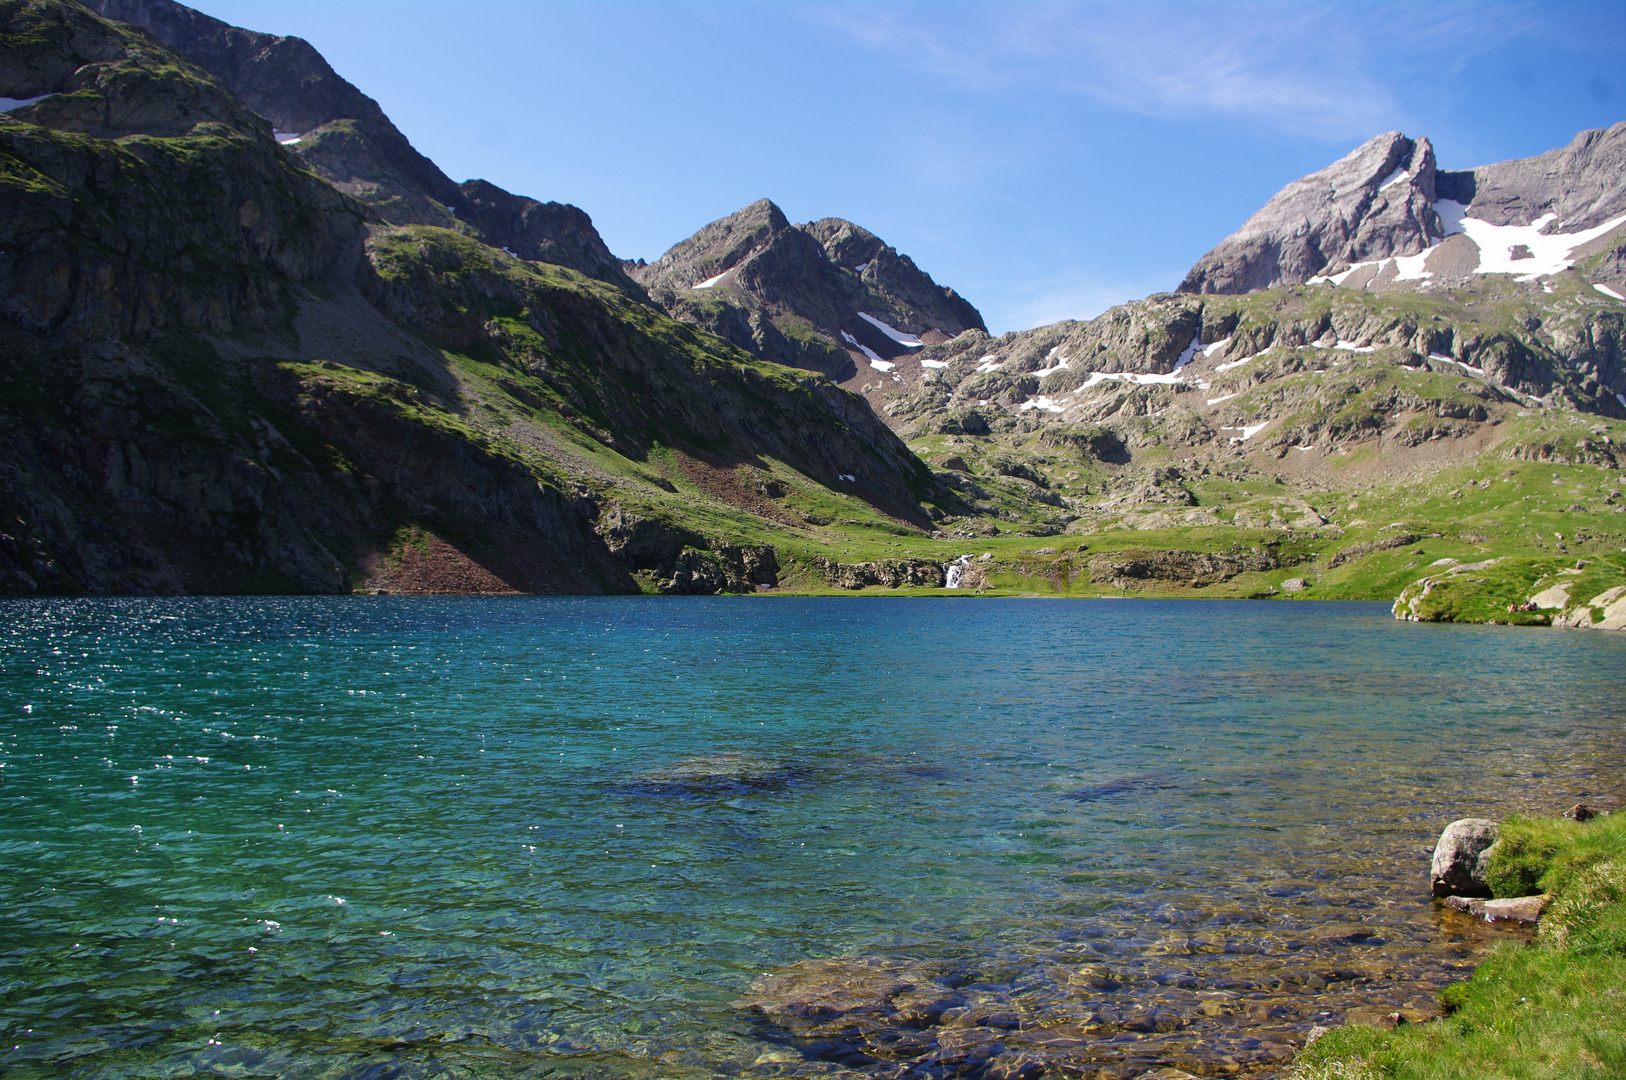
column 1336, row 71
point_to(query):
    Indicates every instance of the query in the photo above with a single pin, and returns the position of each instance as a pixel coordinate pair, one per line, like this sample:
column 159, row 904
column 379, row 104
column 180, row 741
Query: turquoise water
column 392, row 837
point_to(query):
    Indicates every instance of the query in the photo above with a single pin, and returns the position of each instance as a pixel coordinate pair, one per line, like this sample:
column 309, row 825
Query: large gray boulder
column 1461, row 857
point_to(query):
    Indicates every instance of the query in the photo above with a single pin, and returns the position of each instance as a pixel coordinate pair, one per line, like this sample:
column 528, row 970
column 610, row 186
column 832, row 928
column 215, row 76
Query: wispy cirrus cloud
column 1329, row 70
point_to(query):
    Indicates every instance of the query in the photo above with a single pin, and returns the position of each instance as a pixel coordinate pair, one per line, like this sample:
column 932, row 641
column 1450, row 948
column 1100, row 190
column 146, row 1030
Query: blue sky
column 1047, row 160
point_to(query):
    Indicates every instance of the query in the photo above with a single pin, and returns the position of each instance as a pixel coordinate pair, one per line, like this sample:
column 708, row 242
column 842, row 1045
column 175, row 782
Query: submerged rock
column 720, row 773
column 1461, row 857
column 847, row 995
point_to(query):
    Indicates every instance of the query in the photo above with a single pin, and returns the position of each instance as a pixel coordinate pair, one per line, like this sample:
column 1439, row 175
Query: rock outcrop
column 1375, row 202
column 883, row 573
column 814, row 296
column 1461, row 857
column 1582, row 185
column 344, row 135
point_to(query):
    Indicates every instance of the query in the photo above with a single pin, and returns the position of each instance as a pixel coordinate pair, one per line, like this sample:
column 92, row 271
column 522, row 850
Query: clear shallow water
column 389, row 837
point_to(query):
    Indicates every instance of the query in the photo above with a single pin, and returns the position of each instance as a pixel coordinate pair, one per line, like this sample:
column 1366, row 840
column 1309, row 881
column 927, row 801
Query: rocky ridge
column 344, row 135
column 225, row 373
column 1387, row 202
column 827, row 295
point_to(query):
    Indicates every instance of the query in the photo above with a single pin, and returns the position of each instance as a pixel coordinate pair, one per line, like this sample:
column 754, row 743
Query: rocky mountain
column 1360, row 317
column 827, row 295
column 345, row 136
column 250, row 340
column 1386, row 216
column 223, row 371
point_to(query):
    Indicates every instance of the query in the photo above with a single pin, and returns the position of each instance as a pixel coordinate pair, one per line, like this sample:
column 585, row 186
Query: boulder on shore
column 1461, row 857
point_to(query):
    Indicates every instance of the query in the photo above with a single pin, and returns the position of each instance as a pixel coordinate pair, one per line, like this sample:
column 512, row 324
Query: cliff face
column 344, row 135
column 827, row 296
column 1387, row 200
column 224, row 373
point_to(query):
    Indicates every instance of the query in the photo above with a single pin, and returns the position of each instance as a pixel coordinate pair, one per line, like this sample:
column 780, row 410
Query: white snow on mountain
column 1060, row 363
column 286, row 138
column 1189, row 352
column 1607, row 291
column 1393, row 178
column 1521, row 250
column 709, row 282
column 896, row 335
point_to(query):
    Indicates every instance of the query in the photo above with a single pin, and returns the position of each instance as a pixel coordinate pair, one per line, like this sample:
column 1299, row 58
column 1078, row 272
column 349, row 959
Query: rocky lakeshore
column 1550, row 1005
column 1166, row 1018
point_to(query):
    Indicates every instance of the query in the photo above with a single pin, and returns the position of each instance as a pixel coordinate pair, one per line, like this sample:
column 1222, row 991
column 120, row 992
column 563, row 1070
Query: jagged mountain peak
column 1385, row 216
column 715, row 248
column 1375, row 202
column 826, row 295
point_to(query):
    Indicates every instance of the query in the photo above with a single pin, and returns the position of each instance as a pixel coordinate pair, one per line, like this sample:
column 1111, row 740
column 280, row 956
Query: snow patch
column 1042, row 402
column 1451, row 215
column 1218, row 346
column 287, row 138
column 1250, row 430
column 1058, row 366
column 934, row 363
column 1189, row 352
column 1607, row 291
column 985, row 365
column 847, row 477
column 1234, row 363
column 1393, row 178
column 875, row 360
column 1217, row 400
column 7, row 104
column 861, row 267
column 1470, row 369
column 709, row 282
column 1131, row 377
column 896, row 335
column 1350, row 346
column 1548, row 254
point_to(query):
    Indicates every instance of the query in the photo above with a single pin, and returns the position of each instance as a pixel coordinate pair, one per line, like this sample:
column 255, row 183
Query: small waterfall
column 955, row 572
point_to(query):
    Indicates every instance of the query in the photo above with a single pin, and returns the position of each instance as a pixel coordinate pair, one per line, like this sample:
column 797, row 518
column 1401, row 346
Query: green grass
column 1551, row 1010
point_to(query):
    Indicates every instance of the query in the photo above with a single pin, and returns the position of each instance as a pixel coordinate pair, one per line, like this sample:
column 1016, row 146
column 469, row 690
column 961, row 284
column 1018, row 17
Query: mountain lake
column 654, row 837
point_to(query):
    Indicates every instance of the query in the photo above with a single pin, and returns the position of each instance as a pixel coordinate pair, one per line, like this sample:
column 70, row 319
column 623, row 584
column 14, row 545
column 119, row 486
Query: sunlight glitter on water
column 498, row 837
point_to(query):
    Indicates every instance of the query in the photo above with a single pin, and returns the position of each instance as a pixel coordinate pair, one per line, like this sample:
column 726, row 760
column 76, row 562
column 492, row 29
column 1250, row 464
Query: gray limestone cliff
column 1375, row 202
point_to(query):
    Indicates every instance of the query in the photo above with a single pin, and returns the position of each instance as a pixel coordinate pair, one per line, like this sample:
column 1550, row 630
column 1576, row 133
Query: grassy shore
column 1554, row 1009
